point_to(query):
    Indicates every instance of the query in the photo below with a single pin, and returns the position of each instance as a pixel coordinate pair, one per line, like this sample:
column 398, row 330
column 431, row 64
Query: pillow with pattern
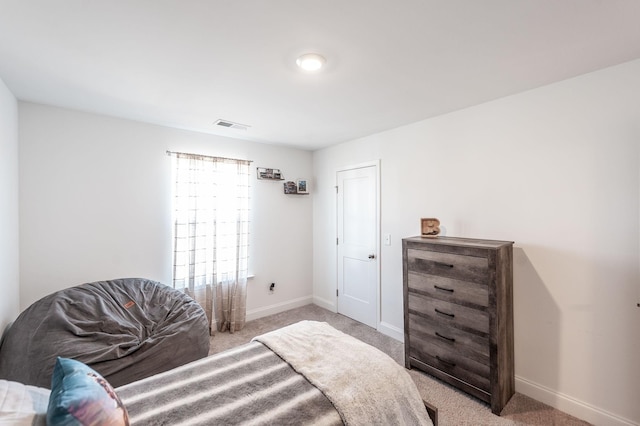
column 80, row 397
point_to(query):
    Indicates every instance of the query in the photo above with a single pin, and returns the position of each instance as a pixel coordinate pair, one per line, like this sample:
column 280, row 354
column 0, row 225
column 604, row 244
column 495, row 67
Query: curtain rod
column 210, row 156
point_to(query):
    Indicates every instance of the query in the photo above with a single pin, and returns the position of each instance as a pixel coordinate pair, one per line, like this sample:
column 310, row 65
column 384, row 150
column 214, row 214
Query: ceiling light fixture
column 311, row 61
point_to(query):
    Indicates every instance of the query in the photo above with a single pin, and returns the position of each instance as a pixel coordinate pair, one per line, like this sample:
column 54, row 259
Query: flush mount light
column 310, row 61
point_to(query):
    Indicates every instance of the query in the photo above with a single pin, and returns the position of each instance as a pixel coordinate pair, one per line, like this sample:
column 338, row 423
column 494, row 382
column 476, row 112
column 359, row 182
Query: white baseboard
column 383, row 327
column 570, row 405
column 391, row 331
column 324, row 303
column 278, row 307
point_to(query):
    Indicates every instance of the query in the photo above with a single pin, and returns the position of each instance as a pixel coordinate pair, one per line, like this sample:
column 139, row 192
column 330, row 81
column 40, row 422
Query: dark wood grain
column 458, row 300
column 451, row 314
column 453, row 363
column 452, row 380
column 462, row 292
column 466, row 268
column 455, row 340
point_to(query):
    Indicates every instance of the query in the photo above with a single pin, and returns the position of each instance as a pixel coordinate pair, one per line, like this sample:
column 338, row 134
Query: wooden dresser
column 458, row 314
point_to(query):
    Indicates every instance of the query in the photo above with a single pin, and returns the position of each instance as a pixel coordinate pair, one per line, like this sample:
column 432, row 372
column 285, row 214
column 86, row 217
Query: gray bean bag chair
column 125, row 329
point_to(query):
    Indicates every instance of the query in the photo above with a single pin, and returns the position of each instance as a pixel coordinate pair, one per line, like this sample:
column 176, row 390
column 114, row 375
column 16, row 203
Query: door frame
column 376, row 165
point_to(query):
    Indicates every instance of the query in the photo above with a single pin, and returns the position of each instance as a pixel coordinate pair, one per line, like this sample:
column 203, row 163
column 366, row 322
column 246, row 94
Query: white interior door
column 357, row 241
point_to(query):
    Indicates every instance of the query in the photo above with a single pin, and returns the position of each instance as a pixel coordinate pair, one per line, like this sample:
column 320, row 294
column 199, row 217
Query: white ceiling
column 187, row 63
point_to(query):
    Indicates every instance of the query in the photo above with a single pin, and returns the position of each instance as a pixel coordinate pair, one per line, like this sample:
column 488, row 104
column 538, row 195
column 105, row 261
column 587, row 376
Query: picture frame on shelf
column 302, row 186
column 290, row 188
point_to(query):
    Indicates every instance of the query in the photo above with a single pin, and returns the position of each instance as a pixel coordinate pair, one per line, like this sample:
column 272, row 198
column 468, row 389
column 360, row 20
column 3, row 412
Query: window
column 211, row 234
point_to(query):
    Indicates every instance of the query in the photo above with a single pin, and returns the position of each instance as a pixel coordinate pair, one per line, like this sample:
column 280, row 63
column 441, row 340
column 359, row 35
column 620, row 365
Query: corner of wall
column 9, row 212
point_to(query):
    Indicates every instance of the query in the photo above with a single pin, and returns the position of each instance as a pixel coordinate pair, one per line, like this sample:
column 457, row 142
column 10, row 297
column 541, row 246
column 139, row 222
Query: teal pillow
column 81, row 397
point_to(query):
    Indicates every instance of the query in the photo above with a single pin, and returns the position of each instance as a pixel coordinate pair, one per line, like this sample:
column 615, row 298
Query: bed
column 307, row 373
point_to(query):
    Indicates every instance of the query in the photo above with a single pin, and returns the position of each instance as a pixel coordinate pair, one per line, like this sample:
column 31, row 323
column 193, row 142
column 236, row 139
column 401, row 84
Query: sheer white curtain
column 211, row 235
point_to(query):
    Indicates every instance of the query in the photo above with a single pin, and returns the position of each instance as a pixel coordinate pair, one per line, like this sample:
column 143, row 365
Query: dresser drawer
column 449, row 314
column 453, row 363
column 449, row 265
column 455, row 291
column 435, row 333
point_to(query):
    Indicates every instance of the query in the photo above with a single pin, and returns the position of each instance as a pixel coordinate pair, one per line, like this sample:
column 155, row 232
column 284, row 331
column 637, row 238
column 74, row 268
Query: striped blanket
column 304, row 374
column 246, row 385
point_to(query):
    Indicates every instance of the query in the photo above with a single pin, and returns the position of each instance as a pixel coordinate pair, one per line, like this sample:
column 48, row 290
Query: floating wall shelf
column 269, row 174
column 300, row 187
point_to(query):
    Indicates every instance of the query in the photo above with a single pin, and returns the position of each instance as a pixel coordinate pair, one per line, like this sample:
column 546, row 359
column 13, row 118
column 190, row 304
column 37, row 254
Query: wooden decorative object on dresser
column 458, row 314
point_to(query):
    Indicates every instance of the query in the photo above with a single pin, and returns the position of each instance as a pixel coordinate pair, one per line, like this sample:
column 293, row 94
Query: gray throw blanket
column 248, row 385
column 365, row 385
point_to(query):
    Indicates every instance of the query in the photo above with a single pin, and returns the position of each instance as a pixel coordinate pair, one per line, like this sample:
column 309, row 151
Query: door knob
column 372, row 256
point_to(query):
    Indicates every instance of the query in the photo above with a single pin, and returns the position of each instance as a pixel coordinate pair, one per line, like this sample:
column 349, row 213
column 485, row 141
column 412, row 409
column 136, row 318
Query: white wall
column 9, row 260
column 95, row 205
column 555, row 170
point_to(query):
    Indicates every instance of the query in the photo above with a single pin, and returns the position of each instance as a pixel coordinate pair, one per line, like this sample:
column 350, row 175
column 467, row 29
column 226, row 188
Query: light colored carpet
column 454, row 407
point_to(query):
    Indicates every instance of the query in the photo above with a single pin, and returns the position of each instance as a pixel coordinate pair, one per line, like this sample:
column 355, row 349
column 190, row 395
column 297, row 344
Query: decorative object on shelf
column 269, row 174
column 429, row 227
column 303, row 186
column 290, row 188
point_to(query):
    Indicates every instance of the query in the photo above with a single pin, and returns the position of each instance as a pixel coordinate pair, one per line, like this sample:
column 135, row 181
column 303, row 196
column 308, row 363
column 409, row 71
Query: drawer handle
column 437, row 287
column 446, row 265
column 444, row 361
column 444, row 313
column 451, row 339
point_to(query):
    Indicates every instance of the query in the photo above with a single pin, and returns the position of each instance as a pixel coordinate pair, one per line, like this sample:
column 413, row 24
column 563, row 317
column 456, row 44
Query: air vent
column 231, row 125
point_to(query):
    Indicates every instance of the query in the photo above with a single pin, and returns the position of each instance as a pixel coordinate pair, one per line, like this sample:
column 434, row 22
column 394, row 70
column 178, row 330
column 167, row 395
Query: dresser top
column 456, row 241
